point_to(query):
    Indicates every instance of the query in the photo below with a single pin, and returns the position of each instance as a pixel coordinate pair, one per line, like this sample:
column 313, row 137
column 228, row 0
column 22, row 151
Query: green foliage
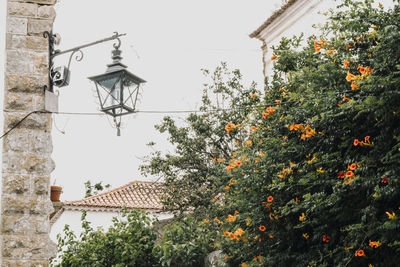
column 331, row 195
column 185, row 243
column 128, row 242
column 91, row 190
column 341, row 215
column 192, row 180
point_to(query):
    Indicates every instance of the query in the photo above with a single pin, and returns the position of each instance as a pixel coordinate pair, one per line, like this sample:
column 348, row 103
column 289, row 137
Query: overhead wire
column 149, row 112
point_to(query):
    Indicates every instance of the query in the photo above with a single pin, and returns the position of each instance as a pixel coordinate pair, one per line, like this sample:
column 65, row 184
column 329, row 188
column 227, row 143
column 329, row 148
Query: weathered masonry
column 25, row 202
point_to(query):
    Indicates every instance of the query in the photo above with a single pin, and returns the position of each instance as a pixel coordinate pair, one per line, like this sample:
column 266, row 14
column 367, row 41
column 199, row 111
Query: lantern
column 117, row 88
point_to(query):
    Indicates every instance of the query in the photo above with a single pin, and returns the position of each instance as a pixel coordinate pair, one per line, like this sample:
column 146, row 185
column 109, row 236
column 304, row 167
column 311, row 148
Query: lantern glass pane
column 130, row 94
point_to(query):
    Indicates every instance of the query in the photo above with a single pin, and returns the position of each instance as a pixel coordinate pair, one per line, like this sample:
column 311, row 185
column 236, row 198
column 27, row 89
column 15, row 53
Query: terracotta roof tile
column 135, row 195
column 271, row 19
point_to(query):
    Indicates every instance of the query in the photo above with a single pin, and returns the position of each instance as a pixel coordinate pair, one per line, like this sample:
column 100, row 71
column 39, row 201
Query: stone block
column 35, row 43
column 38, row 26
column 40, row 63
column 40, row 142
column 17, row 25
column 19, row 62
column 41, row 205
column 25, row 224
column 38, row 102
column 29, row 163
column 22, row 247
column 14, row 224
column 22, row 9
column 41, row 185
column 25, row 83
column 15, row 263
column 47, row 12
column 17, row 142
column 16, row 184
column 13, row 204
column 18, row 101
column 34, row 121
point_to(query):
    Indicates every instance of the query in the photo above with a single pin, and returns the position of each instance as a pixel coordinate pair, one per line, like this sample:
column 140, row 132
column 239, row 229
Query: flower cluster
column 231, row 126
column 366, row 142
column 307, row 131
column 269, row 111
column 319, row 45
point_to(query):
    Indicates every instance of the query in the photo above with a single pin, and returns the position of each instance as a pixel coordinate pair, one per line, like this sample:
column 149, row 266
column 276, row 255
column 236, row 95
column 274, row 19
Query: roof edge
column 272, row 18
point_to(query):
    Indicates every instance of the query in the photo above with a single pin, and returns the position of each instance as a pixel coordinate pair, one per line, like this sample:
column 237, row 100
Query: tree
column 91, row 190
column 193, row 176
column 128, row 242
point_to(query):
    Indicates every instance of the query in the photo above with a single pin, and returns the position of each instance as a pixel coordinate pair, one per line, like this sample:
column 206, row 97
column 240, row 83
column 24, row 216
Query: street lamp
column 117, row 88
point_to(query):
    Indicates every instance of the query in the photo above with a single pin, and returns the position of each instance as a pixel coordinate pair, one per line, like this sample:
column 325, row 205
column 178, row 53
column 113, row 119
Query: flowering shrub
column 331, row 147
column 307, row 173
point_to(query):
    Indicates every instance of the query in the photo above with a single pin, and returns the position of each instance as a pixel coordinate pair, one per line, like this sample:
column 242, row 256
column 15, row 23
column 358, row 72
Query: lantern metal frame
column 122, row 104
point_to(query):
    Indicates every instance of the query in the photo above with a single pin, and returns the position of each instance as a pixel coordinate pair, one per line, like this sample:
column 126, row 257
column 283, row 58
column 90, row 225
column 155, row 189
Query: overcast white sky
column 168, row 42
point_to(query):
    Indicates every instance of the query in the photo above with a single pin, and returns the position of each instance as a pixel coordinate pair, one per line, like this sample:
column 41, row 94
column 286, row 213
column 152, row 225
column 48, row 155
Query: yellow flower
column 247, row 221
column 306, row 236
column 391, row 215
column 303, row 217
column 320, row 170
column 249, row 143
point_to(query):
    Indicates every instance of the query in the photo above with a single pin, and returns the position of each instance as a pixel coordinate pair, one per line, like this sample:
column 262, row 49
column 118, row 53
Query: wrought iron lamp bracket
column 56, row 74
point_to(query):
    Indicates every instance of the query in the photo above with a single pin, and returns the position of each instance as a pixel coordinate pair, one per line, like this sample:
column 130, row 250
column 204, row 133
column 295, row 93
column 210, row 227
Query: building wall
column 297, row 19
column 26, row 162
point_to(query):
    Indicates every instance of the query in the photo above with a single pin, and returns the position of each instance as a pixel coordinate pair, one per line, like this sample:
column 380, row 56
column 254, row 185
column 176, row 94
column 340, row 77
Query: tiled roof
column 135, row 195
column 271, row 19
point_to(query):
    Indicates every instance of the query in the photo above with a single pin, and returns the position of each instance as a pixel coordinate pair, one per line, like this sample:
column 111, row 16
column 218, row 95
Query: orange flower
column 238, row 163
column 244, row 265
column 350, row 77
column 359, row 253
column 220, row 160
column 385, row 180
column 207, row 221
column 303, row 217
column 232, row 236
column 326, row 238
column 346, row 98
column 391, row 215
column 352, row 167
column 226, row 233
column 249, row 143
column 253, row 95
column 261, row 153
column 374, row 244
column 341, row 174
column 350, row 174
column 262, row 228
column 227, row 187
column 236, row 212
column 356, row 142
column 270, row 199
column 354, row 85
column 274, row 56
column 247, row 221
column 346, row 64
column 253, row 128
column 264, row 115
column 239, row 232
column 367, row 138
column 231, row 218
column 306, row 236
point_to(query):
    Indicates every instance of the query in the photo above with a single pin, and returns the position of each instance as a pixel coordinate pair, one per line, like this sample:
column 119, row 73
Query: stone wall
column 25, row 202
